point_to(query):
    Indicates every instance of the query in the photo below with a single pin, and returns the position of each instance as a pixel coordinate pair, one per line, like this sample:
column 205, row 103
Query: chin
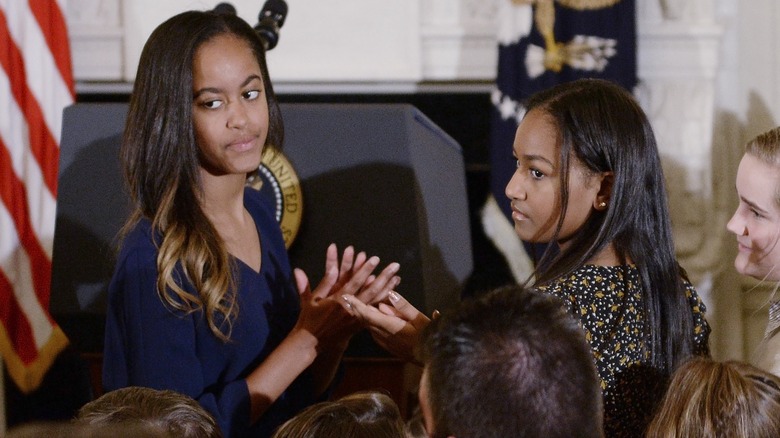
column 744, row 267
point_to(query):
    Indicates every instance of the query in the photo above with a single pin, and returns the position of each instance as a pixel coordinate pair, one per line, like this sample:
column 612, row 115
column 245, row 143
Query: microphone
column 225, row 8
column 271, row 19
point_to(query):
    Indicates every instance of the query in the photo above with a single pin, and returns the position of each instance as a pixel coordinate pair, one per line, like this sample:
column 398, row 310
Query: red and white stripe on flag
column 36, row 83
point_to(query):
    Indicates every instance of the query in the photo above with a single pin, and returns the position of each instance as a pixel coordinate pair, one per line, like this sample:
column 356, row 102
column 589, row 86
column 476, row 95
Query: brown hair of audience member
column 365, row 414
column 709, row 399
column 174, row 412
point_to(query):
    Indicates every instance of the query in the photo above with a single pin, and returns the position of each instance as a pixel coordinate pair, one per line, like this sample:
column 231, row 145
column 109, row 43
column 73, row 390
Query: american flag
column 36, row 83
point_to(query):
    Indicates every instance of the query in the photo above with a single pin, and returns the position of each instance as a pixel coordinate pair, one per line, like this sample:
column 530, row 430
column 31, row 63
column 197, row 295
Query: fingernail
column 394, row 297
column 394, row 267
column 374, row 260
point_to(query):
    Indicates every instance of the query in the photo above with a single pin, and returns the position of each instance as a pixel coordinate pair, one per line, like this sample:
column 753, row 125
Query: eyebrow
column 538, row 158
column 752, row 205
column 246, row 82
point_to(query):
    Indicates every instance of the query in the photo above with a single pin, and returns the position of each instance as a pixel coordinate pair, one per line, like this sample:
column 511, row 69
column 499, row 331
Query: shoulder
column 138, row 245
column 259, row 207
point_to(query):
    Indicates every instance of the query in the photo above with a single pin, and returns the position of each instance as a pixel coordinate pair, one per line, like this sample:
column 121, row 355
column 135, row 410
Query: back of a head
column 511, row 363
column 364, row 414
column 174, row 412
column 710, row 399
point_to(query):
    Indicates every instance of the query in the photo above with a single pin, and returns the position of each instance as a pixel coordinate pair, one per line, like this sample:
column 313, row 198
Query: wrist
column 304, row 342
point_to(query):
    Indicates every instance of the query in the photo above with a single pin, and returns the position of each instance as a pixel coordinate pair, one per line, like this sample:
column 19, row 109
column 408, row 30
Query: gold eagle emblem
column 557, row 54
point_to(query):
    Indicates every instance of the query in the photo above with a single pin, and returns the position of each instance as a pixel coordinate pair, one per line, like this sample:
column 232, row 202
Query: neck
column 606, row 257
column 223, row 196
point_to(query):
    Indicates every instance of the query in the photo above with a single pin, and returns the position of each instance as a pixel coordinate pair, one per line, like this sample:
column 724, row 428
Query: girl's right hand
column 322, row 316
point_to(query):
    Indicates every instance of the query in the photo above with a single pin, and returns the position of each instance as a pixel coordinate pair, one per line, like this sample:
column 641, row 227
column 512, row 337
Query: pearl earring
column 602, row 204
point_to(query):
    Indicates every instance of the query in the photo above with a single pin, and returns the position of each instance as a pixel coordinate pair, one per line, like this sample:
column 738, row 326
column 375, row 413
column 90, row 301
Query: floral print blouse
column 607, row 300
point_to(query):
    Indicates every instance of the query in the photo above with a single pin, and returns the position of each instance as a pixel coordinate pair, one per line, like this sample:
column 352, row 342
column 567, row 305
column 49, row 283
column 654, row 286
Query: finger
column 302, row 282
column 388, row 309
column 360, row 259
column 372, row 317
column 331, row 257
column 378, row 289
column 325, row 286
column 405, row 308
column 346, row 261
column 359, row 277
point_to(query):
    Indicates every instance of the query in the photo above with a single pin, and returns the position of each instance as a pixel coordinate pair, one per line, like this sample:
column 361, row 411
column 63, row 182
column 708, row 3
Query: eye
column 212, row 104
column 251, row 94
column 756, row 214
column 536, row 173
column 517, row 162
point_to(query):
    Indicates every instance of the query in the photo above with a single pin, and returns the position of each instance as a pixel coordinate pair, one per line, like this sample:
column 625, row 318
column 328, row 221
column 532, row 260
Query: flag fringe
column 28, row 377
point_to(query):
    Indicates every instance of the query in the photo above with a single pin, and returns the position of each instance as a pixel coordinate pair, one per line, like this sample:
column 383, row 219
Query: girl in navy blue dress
column 203, row 300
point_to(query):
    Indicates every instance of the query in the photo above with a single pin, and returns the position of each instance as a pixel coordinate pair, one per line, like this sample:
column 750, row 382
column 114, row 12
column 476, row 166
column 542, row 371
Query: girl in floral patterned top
column 589, row 178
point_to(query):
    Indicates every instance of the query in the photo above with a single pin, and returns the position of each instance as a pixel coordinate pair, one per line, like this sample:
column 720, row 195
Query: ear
column 605, row 181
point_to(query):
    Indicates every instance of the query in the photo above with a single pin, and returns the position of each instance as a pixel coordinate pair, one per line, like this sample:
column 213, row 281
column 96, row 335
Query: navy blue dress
column 148, row 344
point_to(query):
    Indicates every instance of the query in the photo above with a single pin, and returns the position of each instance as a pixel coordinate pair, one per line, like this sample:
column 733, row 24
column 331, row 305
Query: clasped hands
column 349, row 297
column 324, row 313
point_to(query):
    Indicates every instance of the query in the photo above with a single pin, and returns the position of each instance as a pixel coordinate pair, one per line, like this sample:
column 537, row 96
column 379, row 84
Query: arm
column 323, row 329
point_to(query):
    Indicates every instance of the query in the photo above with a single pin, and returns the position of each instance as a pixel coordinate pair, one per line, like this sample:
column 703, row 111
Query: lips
column 242, row 144
column 742, row 247
column 517, row 214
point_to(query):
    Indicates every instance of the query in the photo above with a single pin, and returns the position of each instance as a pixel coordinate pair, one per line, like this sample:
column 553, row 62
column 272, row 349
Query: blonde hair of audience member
column 365, row 414
column 176, row 413
column 719, row 399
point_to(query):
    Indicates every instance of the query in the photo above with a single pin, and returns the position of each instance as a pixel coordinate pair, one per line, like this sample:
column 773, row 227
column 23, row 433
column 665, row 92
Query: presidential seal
column 277, row 181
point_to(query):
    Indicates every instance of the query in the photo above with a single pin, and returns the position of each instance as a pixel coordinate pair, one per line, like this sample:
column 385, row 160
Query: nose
column 237, row 117
column 514, row 188
column 736, row 225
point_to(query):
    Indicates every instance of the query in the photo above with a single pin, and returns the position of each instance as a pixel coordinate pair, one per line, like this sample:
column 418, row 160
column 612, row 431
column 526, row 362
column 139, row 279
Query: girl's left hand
column 396, row 327
column 355, row 275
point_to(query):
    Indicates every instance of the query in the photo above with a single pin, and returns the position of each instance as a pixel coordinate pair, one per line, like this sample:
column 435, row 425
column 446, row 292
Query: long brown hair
column 159, row 154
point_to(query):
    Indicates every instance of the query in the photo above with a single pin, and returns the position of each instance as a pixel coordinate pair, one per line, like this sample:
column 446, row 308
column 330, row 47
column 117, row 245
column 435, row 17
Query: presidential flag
column 543, row 43
column 36, row 83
